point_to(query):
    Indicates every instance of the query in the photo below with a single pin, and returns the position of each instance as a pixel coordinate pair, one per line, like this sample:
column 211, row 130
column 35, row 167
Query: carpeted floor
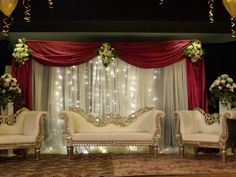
column 117, row 165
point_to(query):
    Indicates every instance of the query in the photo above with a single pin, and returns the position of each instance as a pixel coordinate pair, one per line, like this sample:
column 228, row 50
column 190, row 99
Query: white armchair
column 199, row 129
column 22, row 130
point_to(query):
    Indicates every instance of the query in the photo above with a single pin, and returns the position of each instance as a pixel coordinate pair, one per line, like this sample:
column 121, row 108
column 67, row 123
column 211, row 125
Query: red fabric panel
column 151, row 54
column 54, row 53
column 23, row 74
column 197, row 93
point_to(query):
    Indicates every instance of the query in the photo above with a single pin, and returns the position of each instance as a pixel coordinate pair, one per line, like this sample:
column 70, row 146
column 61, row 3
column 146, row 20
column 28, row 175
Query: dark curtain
column 220, row 59
column 5, row 56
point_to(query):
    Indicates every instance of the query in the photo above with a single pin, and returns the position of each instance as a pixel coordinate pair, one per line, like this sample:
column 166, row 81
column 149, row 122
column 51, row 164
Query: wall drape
column 197, row 87
column 23, row 74
column 139, row 54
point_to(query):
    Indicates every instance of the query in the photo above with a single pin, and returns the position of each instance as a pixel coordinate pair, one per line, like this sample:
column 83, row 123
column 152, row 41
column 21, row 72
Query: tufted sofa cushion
column 144, row 123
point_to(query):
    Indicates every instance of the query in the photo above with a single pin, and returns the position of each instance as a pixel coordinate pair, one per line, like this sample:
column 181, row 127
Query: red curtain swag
column 139, row 54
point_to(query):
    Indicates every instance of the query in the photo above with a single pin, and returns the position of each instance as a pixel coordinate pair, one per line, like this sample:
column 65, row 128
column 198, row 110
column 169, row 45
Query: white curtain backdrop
column 118, row 88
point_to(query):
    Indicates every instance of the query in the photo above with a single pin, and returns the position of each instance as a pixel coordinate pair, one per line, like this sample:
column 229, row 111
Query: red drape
column 140, row 54
column 54, row 53
column 152, row 54
column 24, row 78
column 197, row 93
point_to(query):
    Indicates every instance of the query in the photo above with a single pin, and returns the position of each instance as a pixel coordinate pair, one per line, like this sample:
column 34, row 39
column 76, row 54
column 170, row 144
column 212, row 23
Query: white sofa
column 22, row 130
column 138, row 129
column 199, row 129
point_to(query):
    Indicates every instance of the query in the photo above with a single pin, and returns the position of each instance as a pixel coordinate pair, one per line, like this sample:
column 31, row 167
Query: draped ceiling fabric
column 146, row 55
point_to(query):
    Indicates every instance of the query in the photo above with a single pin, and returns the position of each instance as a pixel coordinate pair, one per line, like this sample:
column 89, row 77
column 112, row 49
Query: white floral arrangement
column 21, row 52
column 194, row 51
column 223, row 89
column 106, row 53
column 9, row 90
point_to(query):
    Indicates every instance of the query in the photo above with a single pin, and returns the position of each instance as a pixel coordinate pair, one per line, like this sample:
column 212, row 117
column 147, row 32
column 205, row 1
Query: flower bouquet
column 223, row 90
column 21, row 52
column 194, row 51
column 107, row 53
column 9, row 90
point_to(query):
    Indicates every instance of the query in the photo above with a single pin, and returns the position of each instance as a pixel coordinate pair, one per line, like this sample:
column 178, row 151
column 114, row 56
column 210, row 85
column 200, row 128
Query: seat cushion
column 10, row 139
column 111, row 136
column 205, row 137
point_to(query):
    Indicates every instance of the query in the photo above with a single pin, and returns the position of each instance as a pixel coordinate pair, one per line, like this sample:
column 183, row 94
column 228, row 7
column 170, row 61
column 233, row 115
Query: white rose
column 229, row 79
column 223, row 81
column 217, row 82
column 224, row 76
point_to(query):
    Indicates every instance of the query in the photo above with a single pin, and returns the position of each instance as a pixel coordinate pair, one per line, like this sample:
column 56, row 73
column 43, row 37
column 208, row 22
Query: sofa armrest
column 226, row 128
column 33, row 123
column 231, row 114
column 157, row 134
column 68, row 127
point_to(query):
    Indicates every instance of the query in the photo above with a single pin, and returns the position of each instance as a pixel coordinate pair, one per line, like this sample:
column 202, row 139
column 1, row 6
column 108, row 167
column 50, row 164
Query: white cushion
column 111, row 136
column 206, row 137
column 8, row 139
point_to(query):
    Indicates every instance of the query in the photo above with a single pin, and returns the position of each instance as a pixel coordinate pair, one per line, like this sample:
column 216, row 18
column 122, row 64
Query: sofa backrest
column 143, row 123
column 193, row 121
column 16, row 128
column 206, row 128
column 32, row 123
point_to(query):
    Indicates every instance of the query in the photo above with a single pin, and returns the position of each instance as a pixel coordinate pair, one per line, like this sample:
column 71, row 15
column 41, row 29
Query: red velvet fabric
column 54, row 53
column 140, row 54
column 152, row 54
column 197, row 93
column 23, row 74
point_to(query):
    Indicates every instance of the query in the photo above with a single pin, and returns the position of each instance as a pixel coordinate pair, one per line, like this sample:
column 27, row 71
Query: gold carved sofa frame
column 112, row 125
column 226, row 134
column 22, row 130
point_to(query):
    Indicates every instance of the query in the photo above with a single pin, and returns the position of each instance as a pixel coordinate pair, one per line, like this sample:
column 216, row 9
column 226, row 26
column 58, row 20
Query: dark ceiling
column 181, row 16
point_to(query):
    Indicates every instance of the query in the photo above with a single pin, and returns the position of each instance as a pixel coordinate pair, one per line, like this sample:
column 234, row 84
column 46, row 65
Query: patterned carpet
column 117, row 165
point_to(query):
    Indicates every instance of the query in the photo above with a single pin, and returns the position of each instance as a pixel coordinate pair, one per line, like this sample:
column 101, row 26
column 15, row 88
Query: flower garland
column 106, row 53
column 223, row 89
column 194, row 51
column 9, row 90
column 21, row 52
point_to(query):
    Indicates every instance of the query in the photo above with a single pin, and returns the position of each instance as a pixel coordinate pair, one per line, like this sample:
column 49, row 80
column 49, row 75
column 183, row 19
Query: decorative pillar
column 6, row 111
column 223, row 107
